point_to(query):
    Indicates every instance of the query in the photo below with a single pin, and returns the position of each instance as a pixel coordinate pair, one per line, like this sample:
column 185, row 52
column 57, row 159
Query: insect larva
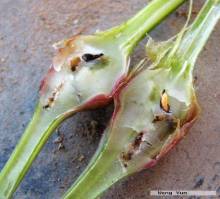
column 90, row 57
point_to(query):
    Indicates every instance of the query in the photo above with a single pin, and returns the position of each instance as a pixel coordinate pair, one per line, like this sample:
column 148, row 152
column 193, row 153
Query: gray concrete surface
column 28, row 28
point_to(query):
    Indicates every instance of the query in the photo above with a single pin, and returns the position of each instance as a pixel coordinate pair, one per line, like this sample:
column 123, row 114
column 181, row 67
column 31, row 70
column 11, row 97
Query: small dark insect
column 164, row 102
column 90, row 57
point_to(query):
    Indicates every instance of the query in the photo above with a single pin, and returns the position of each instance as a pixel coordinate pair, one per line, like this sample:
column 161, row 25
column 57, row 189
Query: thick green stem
column 102, row 172
column 197, row 35
column 31, row 143
column 105, row 168
column 135, row 29
column 44, row 123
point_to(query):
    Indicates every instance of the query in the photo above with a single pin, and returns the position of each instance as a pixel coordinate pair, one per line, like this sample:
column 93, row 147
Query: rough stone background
column 28, row 28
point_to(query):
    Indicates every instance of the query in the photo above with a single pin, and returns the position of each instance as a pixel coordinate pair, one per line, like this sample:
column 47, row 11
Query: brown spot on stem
column 164, row 117
column 74, row 63
column 168, row 118
column 52, row 99
column 137, row 140
column 127, row 156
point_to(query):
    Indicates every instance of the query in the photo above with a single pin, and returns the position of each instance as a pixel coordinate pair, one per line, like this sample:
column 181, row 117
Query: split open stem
column 44, row 123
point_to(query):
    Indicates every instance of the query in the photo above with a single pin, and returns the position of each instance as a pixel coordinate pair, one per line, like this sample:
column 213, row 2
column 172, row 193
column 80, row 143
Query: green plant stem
column 43, row 124
column 102, row 172
column 136, row 28
column 104, row 169
column 32, row 141
column 199, row 32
